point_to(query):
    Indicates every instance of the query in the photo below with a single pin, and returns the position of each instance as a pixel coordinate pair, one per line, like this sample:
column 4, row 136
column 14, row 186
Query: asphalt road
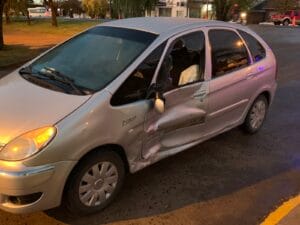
column 232, row 179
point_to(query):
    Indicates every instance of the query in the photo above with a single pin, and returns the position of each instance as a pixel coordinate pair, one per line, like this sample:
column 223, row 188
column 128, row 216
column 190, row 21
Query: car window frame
column 166, row 50
column 210, row 50
column 253, row 62
column 132, row 72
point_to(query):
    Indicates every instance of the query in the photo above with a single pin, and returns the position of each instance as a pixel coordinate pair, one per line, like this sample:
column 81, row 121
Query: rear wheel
column 256, row 115
column 286, row 22
column 94, row 183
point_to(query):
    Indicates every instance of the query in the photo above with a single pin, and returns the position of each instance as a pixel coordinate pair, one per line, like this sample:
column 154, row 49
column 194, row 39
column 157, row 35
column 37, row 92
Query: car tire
column 94, row 183
column 256, row 115
column 286, row 22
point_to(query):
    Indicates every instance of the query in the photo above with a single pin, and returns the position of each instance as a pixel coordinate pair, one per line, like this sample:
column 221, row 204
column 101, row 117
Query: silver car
column 119, row 97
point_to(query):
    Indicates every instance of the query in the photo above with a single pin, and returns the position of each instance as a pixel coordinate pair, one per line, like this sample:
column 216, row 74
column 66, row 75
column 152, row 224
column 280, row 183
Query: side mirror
column 159, row 103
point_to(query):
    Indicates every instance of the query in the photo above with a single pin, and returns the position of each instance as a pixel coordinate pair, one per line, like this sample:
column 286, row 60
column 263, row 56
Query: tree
column 53, row 6
column 95, row 8
column 18, row 6
column 2, row 2
column 71, row 6
column 284, row 5
column 131, row 8
column 223, row 7
column 7, row 7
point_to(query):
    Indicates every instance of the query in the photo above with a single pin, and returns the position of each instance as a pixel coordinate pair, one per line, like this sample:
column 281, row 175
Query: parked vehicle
column 286, row 18
column 122, row 96
column 38, row 12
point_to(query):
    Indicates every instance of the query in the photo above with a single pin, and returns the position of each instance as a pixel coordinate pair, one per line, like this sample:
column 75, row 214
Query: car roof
column 165, row 25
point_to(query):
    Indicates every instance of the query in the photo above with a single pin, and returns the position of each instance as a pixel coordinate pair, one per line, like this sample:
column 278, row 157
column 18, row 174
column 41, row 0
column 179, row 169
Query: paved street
column 233, row 179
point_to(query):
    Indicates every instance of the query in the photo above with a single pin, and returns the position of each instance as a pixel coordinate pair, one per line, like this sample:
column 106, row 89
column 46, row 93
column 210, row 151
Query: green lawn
column 23, row 42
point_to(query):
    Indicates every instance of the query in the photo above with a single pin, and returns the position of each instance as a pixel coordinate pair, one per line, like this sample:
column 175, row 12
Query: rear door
column 229, row 85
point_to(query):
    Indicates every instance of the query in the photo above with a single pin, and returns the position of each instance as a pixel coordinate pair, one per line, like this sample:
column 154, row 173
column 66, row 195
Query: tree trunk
column 28, row 17
column 222, row 9
column 6, row 12
column 1, row 24
column 53, row 13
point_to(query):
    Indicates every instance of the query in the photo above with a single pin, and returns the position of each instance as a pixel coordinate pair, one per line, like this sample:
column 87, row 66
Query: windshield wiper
column 25, row 70
column 53, row 74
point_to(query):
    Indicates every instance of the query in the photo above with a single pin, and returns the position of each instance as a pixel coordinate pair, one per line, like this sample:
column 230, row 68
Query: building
column 183, row 8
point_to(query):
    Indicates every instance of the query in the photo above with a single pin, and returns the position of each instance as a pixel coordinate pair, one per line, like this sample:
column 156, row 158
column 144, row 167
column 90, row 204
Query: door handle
column 250, row 76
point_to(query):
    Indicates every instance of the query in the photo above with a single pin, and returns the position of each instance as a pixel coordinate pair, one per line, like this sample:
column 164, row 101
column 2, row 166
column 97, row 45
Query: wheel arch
column 118, row 149
column 267, row 95
column 286, row 19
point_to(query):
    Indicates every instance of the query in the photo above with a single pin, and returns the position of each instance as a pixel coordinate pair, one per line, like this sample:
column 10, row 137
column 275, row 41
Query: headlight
column 27, row 144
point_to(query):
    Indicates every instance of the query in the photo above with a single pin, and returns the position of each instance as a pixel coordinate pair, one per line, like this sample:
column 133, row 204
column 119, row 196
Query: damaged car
column 119, row 97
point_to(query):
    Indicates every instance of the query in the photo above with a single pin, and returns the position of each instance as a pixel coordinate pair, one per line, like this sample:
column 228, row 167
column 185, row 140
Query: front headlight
column 27, row 144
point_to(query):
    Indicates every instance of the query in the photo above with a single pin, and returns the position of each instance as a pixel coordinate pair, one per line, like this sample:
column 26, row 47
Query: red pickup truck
column 286, row 18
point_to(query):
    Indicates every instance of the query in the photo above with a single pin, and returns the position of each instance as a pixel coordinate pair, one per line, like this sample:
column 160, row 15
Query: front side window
column 228, row 52
column 184, row 63
column 257, row 50
column 96, row 57
column 136, row 86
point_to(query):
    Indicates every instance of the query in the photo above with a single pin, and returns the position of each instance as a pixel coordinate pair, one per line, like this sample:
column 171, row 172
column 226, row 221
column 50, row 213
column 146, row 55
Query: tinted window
column 136, row 86
column 96, row 57
column 184, row 63
column 257, row 50
column 228, row 52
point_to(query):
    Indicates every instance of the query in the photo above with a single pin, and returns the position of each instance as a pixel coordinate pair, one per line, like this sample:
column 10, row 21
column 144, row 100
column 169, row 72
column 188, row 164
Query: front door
column 181, row 78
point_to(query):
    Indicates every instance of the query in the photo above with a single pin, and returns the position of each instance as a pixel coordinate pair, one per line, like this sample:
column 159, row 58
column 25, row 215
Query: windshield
column 96, row 57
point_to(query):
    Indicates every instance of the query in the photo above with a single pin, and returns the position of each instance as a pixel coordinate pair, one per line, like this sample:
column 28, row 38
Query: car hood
column 25, row 106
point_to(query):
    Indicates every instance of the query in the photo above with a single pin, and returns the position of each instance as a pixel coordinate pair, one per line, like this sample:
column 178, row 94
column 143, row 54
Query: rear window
column 256, row 49
column 228, row 52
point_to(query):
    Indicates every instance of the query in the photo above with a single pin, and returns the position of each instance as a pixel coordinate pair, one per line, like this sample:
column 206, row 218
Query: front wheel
column 256, row 115
column 94, row 183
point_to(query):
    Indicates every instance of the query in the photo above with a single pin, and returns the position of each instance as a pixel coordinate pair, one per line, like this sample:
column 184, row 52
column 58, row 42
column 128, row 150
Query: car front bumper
column 28, row 189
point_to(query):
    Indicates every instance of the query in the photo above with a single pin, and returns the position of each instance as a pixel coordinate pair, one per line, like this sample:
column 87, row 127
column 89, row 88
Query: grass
column 24, row 42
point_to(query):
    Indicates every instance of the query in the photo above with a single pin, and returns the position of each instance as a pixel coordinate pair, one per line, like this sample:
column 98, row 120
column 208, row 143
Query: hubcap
column 98, row 184
column 257, row 114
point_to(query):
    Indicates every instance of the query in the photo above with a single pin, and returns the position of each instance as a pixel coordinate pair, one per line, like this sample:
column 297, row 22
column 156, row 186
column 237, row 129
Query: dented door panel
column 182, row 122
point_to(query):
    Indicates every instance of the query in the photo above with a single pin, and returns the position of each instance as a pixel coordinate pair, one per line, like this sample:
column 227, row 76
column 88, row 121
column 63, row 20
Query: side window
column 257, row 50
column 184, row 62
column 136, row 85
column 228, row 52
